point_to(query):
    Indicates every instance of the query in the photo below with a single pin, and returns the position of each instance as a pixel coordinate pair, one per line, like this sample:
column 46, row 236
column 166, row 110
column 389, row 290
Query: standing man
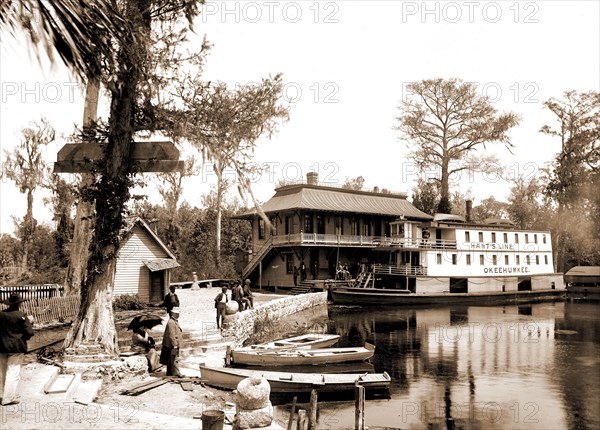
column 248, row 296
column 15, row 331
column 171, row 343
column 296, row 272
column 171, row 300
column 237, row 294
column 220, row 305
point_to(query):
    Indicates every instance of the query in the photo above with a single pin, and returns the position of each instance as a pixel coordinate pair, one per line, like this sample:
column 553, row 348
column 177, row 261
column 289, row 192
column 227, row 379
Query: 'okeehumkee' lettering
column 502, row 270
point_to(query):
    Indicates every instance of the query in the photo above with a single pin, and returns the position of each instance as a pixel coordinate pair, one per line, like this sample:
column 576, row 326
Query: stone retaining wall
column 240, row 326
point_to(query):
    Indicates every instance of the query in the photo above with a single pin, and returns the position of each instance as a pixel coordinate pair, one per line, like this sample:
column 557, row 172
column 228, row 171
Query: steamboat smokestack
column 469, row 204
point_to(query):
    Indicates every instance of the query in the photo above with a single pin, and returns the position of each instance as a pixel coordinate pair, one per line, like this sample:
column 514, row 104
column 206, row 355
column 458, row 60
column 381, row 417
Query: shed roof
column 331, row 199
column 584, row 271
column 161, row 264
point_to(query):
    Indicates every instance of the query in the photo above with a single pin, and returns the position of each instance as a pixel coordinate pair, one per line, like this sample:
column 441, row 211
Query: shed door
column 157, row 280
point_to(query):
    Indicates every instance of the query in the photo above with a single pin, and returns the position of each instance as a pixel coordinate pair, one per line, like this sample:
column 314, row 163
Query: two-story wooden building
column 322, row 227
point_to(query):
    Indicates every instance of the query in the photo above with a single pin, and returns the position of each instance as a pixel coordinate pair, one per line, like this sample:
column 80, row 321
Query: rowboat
column 285, row 382
column 308, row 340
column 301, row 356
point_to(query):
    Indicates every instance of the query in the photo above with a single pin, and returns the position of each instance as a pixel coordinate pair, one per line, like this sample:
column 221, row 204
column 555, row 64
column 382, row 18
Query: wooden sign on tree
column 147, row 157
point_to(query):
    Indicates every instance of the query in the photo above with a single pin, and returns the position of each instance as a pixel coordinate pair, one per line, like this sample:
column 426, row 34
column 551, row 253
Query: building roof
column 133, row 221
column 584, row 271
column 329, row 199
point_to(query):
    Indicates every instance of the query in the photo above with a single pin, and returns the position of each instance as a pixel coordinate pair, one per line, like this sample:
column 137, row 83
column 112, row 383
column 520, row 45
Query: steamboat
column 451, row 260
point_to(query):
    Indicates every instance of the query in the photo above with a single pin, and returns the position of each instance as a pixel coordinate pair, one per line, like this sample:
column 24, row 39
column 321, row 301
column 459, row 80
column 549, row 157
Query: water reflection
column 478, row 367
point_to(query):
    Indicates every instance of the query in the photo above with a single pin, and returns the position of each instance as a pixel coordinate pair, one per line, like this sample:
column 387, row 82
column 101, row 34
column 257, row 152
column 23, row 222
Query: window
column 505, row 237
column 517, row 260
column 537, row 259
column 516, row 237
column 481, row 259
column 438, row 258
column 506, row 260
column 526, row 238
column 467, row 236
column 495, row 260
column 535, row 238
column 289, row 263
column 543, row 238
column 289, row 225
column 366, row 229
column 494, row 237
column 377, row 230
column 481, row 236
column 339, row 226
column 261, row 228
column 308, row 223
column 545, row 259
column 454, row 259
column 528, row 260
column 468, row 259
column 354, row 227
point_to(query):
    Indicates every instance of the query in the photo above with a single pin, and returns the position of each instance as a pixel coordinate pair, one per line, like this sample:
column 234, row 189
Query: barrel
column 213, row 420
column 231, row 307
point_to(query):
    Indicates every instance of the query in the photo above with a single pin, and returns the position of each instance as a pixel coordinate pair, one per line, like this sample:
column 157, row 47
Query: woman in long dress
column 141, row 342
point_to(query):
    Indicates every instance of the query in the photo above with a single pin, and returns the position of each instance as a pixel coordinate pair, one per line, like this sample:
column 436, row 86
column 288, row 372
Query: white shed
column 143, row 264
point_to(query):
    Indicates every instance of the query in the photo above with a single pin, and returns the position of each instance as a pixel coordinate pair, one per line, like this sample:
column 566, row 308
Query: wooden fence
column 32, row 291
column 44, row 303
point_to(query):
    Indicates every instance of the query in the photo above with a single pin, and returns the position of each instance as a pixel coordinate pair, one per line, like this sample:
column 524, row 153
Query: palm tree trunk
column 82, row 234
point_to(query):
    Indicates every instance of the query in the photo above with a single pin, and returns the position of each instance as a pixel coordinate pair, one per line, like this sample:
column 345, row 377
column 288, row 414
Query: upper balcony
column 361, row 241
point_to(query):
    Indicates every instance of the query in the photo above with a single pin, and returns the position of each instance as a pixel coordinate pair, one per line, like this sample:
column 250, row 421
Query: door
column 157, row 284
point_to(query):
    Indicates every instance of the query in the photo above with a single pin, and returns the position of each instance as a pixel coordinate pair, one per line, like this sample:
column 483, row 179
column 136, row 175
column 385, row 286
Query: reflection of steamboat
column 394, row 253
column 452, row 260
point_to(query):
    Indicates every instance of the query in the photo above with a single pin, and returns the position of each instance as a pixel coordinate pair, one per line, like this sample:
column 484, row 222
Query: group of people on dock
column 242, row 294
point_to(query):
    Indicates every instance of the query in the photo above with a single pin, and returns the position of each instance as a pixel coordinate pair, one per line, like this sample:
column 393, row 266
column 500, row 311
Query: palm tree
column 113, row 40
column 82, row 33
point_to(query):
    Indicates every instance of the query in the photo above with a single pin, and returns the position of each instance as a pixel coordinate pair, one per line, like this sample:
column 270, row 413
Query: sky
column 346, row 66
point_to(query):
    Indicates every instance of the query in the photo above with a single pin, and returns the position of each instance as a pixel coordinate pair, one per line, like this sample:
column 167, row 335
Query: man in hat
column 237, row 294
column 171, row 343
column 221, row 305
column 171, row 300
column 248, row 296
column 15, row 331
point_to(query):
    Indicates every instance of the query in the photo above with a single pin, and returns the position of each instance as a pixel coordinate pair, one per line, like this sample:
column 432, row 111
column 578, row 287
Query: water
column 505, row 367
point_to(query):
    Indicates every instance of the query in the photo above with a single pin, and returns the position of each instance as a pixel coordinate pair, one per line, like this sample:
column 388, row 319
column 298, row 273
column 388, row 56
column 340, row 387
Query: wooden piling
column 359, row 411
column 312, row 423
column 301, row 425
column 228, row 355
column 292, row 412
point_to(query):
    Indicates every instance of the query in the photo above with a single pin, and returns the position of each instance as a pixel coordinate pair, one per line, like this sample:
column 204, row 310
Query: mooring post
column 301, row 419
column 359, row 411
column 228, row 356
column 312, row 423
column 292, row 412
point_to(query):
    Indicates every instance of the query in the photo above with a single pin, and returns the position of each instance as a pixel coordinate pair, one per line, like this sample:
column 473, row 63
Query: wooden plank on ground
column 60, row 384
column 186, row 386
column 139, row 389
column 87, row 391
